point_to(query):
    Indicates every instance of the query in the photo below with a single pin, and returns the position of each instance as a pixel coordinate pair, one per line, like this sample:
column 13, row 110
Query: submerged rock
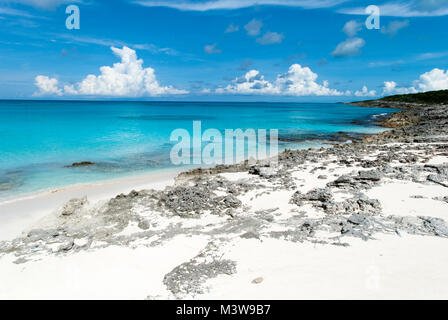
column 80, row 164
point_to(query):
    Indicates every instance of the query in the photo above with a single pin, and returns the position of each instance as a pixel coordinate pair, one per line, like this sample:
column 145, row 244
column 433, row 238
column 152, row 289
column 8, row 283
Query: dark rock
column 80, row 164
column 438, row 226
column 250, row 235
column 439, row 179
column 144, row 224
column 371, row 175
column 356, row 219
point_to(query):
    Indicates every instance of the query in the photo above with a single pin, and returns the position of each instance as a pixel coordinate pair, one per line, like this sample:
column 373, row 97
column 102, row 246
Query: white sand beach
column 19, row 212
column 269, row 247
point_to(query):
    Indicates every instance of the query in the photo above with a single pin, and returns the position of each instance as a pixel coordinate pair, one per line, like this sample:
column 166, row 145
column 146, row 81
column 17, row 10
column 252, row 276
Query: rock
column 257, row 280
column 358, row 205
column 322, row 177
column 263, row 171
column 66, row 246
column 133, row 194
column 371, row 175
column 410, row 221
column 250, row 235
column 322, row 195
column 438, row 226
column 40, row 234
column 342, row 181
column 189, row 277
column 439, row 179
column 231, row 201
column 188, row 201
column 80, row 164
column 356, row 219
column 73, row 206
column 143, row 224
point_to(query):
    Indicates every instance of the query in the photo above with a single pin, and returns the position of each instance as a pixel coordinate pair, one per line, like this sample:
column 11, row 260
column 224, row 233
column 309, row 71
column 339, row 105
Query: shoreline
column 15, row 221
column 18, row 213
column 314, row 140
column 330, row 223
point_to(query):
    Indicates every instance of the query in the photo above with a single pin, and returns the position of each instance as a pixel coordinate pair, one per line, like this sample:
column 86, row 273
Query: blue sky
column 279, row 50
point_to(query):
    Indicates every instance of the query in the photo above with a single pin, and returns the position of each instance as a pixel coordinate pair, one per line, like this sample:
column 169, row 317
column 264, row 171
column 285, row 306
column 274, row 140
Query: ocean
column 39, row 140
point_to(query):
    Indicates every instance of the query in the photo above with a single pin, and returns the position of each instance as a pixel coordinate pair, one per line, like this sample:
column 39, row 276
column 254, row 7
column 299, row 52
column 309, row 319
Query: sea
column 40, row 140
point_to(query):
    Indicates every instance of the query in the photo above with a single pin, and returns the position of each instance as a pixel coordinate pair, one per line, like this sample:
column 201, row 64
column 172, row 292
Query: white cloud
column 206, row 5
column 436, row 79
column 270, row 38
column 393, row 27
column 416, row 58
column 391, row 87
column 232, row 28
column 298, row 81
column 253, row 27
column 127, row 78
column 365, row 92
column 348, row 48
column 15, row 13
column 47, row 86
column 352, row 27
column 404, row 9
column 211, row 49
column 43, row 4
column 117, row 43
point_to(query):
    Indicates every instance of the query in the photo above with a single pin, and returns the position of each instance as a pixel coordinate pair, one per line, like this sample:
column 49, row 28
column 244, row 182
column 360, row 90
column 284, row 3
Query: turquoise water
column 38, row 139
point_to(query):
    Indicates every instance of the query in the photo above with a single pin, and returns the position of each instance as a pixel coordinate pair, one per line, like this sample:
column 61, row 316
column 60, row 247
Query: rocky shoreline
column 323, row 196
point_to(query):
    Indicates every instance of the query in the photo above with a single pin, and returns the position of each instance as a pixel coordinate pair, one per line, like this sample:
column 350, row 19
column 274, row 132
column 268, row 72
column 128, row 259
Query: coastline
column 329, row 223
column 18, row 213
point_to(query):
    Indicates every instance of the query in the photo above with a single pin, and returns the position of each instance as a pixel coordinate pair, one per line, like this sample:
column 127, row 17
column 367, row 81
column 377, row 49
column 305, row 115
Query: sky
column 222, row 50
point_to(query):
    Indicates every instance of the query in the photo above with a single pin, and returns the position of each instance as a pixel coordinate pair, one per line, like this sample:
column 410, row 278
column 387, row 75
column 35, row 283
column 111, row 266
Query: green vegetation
column 430, row 97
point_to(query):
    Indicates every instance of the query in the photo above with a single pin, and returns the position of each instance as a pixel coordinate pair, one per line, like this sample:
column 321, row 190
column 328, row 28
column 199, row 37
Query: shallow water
column 38, row 139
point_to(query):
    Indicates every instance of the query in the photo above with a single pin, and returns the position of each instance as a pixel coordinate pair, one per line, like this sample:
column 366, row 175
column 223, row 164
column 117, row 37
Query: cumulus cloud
column 211, row 49
column 298, row 81
column 127, row 78
column 253, row 27
column 393, row 27
column 436, row 79
column 270, row 38
column 364, row 92
column 391, row 87
column 348, row 48
column 352, row 27
column 47, row 86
